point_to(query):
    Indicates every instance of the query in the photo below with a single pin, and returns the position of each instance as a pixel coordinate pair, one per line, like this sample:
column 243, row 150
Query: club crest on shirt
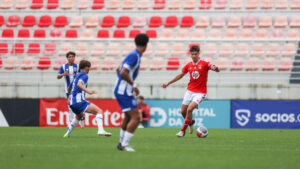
column 195, row 74
column 199, row 66
column 134, row 102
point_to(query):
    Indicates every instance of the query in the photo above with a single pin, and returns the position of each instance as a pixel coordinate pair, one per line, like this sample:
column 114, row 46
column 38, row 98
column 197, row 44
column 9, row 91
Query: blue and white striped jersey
column 76, row 94
column 72, row 70
column 132, row 63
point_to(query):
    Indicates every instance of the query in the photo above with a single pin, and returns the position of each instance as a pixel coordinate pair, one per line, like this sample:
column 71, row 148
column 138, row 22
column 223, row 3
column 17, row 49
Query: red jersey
column 198, row 75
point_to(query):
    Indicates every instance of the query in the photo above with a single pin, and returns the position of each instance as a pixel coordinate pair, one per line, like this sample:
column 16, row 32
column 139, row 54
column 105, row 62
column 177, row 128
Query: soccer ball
column 202, row 132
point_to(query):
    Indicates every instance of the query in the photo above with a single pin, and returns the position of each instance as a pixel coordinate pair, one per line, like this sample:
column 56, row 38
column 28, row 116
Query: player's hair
column 141, row 39
column 194, row 48
column 70, row 53
column 84, row 63
column 141, row 97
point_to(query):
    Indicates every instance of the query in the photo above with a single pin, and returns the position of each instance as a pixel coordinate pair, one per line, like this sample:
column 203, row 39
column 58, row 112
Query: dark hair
column 70, row 53
column 141, row 39
column 141, row 97
column 194, row 48
column 84, row 63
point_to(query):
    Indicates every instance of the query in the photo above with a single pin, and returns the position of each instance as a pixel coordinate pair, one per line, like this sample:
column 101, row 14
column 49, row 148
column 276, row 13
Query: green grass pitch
column 44, row 148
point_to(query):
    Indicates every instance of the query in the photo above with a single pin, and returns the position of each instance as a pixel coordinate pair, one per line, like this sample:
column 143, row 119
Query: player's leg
column 140, row 119
column 131, row 126
column 73, row 124
column 185, row 103
column 93, row 109
column 123, row 130
column 184, row 110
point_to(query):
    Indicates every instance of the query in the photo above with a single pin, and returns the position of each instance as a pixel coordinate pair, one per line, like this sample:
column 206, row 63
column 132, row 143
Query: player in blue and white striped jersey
column 124, row 88
column 77, row 101
column 69, row 71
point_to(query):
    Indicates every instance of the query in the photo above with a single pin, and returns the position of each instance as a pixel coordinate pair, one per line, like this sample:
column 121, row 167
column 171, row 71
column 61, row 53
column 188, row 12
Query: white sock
column 99, row 118
column 127, row 138
column 72, row 125
column 122, row 132
column 72, row 115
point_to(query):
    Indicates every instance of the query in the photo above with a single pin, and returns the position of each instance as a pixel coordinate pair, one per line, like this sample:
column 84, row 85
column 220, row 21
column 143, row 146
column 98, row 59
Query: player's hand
column 92, row 92
column 66, row 73
column 165, row 85
column 136, row 91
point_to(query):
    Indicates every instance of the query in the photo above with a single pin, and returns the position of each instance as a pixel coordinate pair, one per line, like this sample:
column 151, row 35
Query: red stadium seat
column 173, row 63
column 103, row 34
column 18, row 48
column 37, row 4
column 44, row 63
column 52, row 4
column 119, row 34
column 55, row 33
column 133, row 33
column 234, row 21
column 108, row 21
column 71, row 33
column 251, row 4
column 151, row 33
column 3, row 48
column 61, row 21
column 39, row 33
column 266, row 4
column 108, row 63
column 171, row 21
column 159, row 4
column 124, row 21
column 98, row 4
column 1, row 20
column 50, row 48
column 250, row 21
column 295, row 21
column 289, row 49
column 23, row 33
column 253, row 64
column 98, row 49
column 155, row 21
column 187, row 21
column 28, row 63
column 157, row 63
column 1, row 62
column 58, row 61
column 237, row 64
column 265, row 22
column 34, row 48
column 144, row 64
column 29, row 21
column 45, row 21
column 222, row 63
column 95, row 62
column 281, row 22
column 285, row 64
column 8, row 33
column 205, row 4
column 269, row 64
column 13, row 21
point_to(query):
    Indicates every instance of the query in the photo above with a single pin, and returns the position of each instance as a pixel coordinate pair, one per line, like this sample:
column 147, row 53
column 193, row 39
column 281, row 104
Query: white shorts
column 193, row 97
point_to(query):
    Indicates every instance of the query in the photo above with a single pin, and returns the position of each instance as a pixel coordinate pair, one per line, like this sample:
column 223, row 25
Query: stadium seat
column 29, row 21
column 202, row 21
column 266, row 4
column 37, row 4
column 236, row 4
column 246, row 34
column 58, row 61
column 13, row 21
column 190, row 4
column 230, row 34
column 7, row 33
column 144, row 4
column 71, row 33
column 133, row 33
column 220, row 4
column 113, row 4
column 218, row 22
column 149, row 50
column 265, row 22
column 162, row 49
column 18, row 48
column 123, row 21
column 1, row 20
column 76, row 22
column 28, row 63
column 173, row 63
column 171, row 21
column 128, row 47
column 61, row 21
column 249, row 21
column 285, row 64
column 39, row 33
column 21, row 4
column 108, row 63
column 166, row 33
column 261, row 34
column 198, row 34
column 87, row 33
column 34, row 48
column 52, row 4
column 144, row 63
column 174, row 4
column 157, row 63
column 103, row 34
column 222, row 63
column 251, row 4
column 45, row 21
column 77, row 60
column 292, row 34
column 92, row 21
column 108, row 21
column 237, row 64
column 44, row 63
column 269, row 64
column 6, row 4
column 178, row 49
column 253, row 64
column 65, row 48
column 277, row 33
column 242, row 49
column 95, row 62
column 67, row 4
column 281, row 22
column 151, row 33
column 273, row 49
column 295, row 21
column 295, row 4
column 205, row 4
column 215, row 34
column 289, row 49
column 98, row 49
column 82, row 49
column 155, row 21
column 183, row 34
column 50, row 48
column 234, row 21
column 12, row 62
column 281, row 4
column 187, row 21
column 98, row 4
column 226, row 49
column 83, row 4
column 55, row 33
column 210, row 49
column 3, row 48
column 258, row 49
column 1, row 62
column 159, row 4
column 114, row 49
column 139, row 22
column 23, row 33
column 128, row 4
column 119, row 34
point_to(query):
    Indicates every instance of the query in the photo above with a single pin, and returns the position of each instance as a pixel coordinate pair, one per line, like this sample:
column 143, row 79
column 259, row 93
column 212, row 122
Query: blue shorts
column 126, row 102
column 81, row 107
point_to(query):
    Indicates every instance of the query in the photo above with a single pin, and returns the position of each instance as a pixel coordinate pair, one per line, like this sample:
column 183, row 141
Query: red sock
column 187, row 122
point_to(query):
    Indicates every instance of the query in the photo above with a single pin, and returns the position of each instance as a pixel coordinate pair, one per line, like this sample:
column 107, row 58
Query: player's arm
column 214, row 68
column 125, row 75
column 175, row 79
column 81, row 86
column 59, row 76
column 117, row 70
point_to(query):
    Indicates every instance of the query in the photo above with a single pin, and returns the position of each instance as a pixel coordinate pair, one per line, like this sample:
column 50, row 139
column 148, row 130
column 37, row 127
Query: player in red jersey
column 196, row 90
